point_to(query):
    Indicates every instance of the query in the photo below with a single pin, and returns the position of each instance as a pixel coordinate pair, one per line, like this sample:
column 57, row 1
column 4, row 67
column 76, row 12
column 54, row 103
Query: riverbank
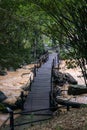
column 65, row 120
column 13, row 84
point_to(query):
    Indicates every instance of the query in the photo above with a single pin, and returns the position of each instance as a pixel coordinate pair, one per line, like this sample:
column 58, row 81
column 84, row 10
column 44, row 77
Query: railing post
column 40, row 62
column 51, row 92
column 47, row 56
column 68, row 107
column 52, row 67
column 11, row 114
column 55, row 61
column 30, row 84
column 37, row 66
column 58, row 60
column 35, row 70
column 51, row 83
column 22, row 100
column 50, row 99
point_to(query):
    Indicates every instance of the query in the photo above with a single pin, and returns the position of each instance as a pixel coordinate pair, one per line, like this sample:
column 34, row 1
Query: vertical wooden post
column 40, row 62
column 52, row 67
column 58, row 60
column 68, row 107
column 55, row 61
column 30, row 84
column 37, row 66
column 47, row 55
column 22, row 100
column 51, row 92
column 11, row 114
column 35, row 70
column 51, row 83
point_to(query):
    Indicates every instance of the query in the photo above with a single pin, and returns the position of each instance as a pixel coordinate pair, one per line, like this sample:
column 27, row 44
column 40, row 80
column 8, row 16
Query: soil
column 75, row 119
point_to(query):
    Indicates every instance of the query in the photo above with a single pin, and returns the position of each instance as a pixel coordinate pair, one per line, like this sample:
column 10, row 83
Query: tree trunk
column 82, row 64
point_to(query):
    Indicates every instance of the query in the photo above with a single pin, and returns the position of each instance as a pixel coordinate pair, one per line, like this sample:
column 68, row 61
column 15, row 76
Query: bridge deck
column 38, row 97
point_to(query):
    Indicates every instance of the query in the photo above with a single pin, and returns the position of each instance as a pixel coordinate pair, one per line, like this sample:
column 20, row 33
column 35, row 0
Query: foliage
column 20, row 32
column 2, row 107
column 69, row 26
column 23, row 23
column 58, row 128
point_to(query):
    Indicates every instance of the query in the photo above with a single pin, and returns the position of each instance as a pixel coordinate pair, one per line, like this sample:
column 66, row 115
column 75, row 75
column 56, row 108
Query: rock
column 53, row 104
column 26, row 87
column 56, row 92
column 2, row 96
column 68, row 103
column 3, row 72
column 77, row 90
column 11, row 69
column 19, row 103
column 61, row 79
column 70, row 79
column 13, row 103
column 11, row 106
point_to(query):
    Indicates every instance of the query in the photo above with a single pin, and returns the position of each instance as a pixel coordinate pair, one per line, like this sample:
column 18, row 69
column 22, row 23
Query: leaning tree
column 69, row 25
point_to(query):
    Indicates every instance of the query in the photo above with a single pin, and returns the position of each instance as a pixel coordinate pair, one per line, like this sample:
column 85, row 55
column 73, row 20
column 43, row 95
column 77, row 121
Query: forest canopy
column 23, row 24
column 21, row 37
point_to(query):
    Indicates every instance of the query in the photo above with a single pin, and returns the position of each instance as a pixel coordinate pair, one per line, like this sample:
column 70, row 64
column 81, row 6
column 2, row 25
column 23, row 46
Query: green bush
column 63, row 55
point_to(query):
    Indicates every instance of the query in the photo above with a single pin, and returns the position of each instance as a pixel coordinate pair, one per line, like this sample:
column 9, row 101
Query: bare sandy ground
column 75, row 72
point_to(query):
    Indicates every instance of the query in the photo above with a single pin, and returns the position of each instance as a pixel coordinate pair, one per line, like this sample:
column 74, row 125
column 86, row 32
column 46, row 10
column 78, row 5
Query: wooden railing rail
column 12, row 114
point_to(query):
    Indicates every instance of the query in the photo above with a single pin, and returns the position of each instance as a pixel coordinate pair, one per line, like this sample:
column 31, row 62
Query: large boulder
column 2, row 96
column 56, row 92
column 62, row 78
column 67, row 103
column 77, row 89
column 70, row 79
column 59, row 78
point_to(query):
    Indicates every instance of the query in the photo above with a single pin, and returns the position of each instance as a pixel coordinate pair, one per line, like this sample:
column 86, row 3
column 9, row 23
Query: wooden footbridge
column 38, row 97
column 37, row 106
